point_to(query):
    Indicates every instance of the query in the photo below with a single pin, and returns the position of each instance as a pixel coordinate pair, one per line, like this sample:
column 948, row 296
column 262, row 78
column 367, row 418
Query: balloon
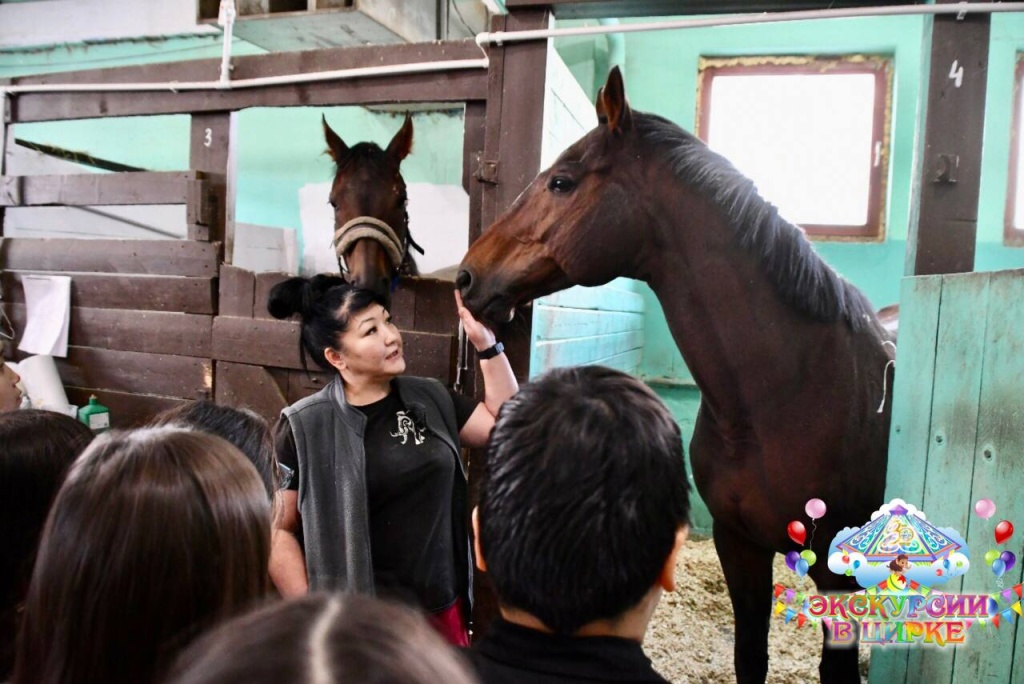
column 846, row 559
column 945, row 563
column 990, row 556
column 791, row 558
column 797, row 532
column 1004, row 530
column 809, row 556
column 815, row 508
column 801, row 567
column 849, row 572
column 856, row 564
column 1009, row 559
column 938, row 572
column 985, row 508
column 998, row 567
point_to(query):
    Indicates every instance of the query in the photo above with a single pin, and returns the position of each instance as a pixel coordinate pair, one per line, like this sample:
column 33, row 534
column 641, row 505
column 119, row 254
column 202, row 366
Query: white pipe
column 960, row 9
column 174, row 86
column 227, row 20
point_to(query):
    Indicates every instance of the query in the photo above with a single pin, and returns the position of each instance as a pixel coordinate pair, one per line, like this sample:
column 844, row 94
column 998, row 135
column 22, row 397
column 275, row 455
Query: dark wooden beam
column 942, row 239
column 446, row 86
column 517, row 79
column 151, row 257
column 144, row 293
column 212, row 152
column 88, row 189
column 5, row 130
column 595, row 9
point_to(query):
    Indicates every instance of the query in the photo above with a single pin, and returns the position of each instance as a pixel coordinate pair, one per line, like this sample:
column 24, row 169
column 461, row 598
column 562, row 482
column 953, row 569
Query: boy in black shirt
column 583, row 507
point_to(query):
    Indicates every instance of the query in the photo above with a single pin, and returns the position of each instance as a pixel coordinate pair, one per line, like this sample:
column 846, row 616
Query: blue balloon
column 856, row 564
column 945, row 563
column 802, row 567
column 998, row 567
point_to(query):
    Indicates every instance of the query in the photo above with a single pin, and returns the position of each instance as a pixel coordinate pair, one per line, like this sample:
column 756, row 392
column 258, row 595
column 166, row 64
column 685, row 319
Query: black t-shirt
column 409, row 478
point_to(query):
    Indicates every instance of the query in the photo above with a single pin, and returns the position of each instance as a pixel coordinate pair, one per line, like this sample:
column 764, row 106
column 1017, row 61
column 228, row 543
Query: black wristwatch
column 490, row 352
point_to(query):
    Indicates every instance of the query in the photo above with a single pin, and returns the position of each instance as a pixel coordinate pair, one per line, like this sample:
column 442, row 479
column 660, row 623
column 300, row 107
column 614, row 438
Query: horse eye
column 561, row 184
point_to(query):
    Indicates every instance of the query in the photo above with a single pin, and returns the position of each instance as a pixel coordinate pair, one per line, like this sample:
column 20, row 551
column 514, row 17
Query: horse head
column 568, row 226
column 371, row 224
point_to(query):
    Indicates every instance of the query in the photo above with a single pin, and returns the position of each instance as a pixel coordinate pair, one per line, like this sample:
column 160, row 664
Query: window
column 1013, row 233
column 812, row 133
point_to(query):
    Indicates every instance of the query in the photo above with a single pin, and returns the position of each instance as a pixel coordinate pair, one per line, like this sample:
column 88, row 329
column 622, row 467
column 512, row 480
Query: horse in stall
column 371, row 222
column 788, row 356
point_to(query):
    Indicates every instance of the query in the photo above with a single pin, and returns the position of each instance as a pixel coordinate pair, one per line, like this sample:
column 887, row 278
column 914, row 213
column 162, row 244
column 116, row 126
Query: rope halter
column 368, row 227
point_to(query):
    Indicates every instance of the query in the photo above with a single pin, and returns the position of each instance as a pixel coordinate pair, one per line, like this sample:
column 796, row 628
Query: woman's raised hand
column 480, row 336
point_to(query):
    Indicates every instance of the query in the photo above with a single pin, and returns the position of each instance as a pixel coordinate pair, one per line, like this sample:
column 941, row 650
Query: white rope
column 885, row 375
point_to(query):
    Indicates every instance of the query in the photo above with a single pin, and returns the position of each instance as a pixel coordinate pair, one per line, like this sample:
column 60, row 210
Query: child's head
column 155, row 535
column 583, row 496
column 323, row 639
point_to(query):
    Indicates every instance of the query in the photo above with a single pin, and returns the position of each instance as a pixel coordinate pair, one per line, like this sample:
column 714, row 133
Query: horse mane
column 800, row 276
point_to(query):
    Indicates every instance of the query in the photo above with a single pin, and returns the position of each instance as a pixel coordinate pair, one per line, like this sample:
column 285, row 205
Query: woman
column 379, row 493
column 155, row 535
column 36, row 450
column 323, row 639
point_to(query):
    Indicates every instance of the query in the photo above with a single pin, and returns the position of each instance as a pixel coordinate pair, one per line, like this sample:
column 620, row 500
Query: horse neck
column 748, row 350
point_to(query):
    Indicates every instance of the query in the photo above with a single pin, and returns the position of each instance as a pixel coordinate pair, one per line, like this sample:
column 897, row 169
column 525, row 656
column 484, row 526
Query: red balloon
column 1004, row 530
column 797, row 532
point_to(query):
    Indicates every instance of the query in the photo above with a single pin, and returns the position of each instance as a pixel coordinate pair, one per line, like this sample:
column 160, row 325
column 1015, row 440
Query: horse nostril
column 463, row 280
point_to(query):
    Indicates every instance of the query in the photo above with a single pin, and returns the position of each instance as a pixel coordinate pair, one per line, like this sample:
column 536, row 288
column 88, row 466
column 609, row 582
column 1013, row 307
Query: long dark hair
column 326, row 304
column 36, row 450
column 245, row 429
column 323, row 638
column 155, row 535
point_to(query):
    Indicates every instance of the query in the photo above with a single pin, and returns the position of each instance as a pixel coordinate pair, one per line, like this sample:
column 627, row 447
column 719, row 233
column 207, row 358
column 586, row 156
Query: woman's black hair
column 36, row 449
column 326, row 304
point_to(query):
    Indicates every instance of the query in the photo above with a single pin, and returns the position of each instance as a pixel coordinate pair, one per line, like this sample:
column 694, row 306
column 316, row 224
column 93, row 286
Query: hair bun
column 286, row 298
column 297, row 295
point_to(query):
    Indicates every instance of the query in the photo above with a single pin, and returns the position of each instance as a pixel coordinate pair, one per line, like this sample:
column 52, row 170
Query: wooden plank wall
column 589, row 325
column 257, row 360
column 142, row 316
column 958, row 436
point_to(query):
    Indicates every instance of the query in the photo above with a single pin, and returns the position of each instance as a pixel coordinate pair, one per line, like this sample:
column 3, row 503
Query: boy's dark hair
column 326, row 304
column 245, row 429
column 583, row 491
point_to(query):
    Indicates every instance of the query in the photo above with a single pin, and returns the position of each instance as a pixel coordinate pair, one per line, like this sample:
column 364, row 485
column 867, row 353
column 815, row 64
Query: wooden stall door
column 958, row 436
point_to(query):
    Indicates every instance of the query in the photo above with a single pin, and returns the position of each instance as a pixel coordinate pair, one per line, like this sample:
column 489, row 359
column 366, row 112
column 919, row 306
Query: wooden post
column 943, row 236
column 5, row 128
column 212, row 151
column 511, row 159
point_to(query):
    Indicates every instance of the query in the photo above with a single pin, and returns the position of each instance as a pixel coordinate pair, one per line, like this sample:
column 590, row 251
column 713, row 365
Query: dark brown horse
column 371, row 224
column 788, row 356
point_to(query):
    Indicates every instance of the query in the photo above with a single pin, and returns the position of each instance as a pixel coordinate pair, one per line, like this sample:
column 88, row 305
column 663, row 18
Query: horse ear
column 336, row 147
column 401, row 145
column 612, row 107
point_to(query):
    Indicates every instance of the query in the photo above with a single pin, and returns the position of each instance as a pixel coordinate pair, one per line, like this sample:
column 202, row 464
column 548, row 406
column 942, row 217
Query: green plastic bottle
column 95, row 415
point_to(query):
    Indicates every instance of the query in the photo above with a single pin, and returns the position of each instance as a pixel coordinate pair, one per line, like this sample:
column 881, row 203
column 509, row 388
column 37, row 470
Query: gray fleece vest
column 329, row 442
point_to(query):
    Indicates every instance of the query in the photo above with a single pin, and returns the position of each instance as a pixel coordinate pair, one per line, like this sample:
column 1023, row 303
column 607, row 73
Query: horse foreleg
column 839, row 664
column 748, row 574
